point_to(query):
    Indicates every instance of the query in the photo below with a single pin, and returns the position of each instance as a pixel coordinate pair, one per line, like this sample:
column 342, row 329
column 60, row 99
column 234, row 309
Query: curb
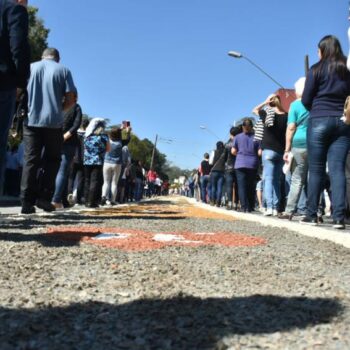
column 319, row 232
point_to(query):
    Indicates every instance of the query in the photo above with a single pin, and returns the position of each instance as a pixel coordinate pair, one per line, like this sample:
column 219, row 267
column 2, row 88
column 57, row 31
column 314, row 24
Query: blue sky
column 163, row 64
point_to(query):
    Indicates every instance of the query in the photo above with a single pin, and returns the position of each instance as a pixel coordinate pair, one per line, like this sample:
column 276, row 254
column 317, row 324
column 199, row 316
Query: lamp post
column 203, row 127
column 236, row 54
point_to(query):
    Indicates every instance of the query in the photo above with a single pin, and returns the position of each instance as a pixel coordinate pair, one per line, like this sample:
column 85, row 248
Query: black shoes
column 339, row 224
column 45, row 205
column 27, row 209
column 309, row 221
column 286, row 216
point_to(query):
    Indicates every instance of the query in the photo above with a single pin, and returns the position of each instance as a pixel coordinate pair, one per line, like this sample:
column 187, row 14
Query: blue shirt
column 95, row 149
column 298, row 115
column 247, row 151
column 49, row 82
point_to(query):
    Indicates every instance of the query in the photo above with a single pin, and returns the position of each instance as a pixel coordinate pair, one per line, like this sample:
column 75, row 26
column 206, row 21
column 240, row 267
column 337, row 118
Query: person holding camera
column 275, row 120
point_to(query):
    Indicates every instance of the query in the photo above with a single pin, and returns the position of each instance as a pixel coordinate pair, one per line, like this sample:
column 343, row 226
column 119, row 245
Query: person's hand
column 259, row 152
column 19, row 92
column 268, row 100
column 66, row 136
column 286, row 157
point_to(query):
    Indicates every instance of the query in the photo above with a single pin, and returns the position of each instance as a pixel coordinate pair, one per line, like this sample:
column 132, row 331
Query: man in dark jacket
column 14, row 65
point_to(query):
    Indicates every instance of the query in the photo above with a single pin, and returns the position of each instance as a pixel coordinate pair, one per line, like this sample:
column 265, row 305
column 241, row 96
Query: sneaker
column 27, row 209
column 275, row 212
column 104, row 201
column 339, row 224
column 285, row 215
column 45, row 205
column 320, row 219
column 309, row 221
column 57, row 205
column 70, row 199
column 268, row 212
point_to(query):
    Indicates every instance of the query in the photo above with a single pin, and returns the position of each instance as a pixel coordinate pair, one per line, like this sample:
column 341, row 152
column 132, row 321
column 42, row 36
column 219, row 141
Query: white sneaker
column 71, row 200
column 274, row 212
column 268, row 212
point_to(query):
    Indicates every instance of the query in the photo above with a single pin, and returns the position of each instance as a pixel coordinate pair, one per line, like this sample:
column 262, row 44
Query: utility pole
column 306, row 62
column 154, row 151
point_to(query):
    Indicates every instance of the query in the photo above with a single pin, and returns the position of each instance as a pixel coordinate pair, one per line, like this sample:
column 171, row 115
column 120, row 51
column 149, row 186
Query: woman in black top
column 71, row 123
column 275, row 120
column 217, row 174
column 328, row 138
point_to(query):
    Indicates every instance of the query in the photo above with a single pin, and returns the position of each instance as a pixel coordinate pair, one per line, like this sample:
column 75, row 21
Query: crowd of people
column 288, row 163
column 282, row 165
column 63, row 159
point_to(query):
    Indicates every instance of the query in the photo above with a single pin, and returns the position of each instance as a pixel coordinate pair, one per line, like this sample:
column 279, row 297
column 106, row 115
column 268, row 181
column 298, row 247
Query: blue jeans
column 217, row 182
column 204, row 180
column 299, row 177
column 246, row 180
column 7, row 110
column 138, row 189
column 328, row 139
column 61, row 184
column 273, row 164
column 230, row 181
column 302, row 204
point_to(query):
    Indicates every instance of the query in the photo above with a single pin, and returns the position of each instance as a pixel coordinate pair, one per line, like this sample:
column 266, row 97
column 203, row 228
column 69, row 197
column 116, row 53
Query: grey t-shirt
column 48, row 83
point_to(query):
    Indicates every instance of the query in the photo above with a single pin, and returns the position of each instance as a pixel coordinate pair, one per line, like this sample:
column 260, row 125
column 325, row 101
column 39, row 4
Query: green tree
column 38, row 34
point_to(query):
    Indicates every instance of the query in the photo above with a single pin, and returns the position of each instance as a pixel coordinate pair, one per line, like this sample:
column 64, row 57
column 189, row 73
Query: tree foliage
column 142, row 150
column 38, row 34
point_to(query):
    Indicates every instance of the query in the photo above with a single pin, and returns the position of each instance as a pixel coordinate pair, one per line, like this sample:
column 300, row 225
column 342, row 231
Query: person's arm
column 234, row 149
column 128, row 136
column 257, row 108
column 76, row 123
column 310, row 90
column 348, row 60
column 70, row 91
column 211, row 158
column 18, row 39
column 291, row 129
column 68, row 101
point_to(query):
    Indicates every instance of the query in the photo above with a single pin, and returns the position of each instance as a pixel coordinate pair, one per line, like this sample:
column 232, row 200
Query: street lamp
column 209, row 131
column 236, row 54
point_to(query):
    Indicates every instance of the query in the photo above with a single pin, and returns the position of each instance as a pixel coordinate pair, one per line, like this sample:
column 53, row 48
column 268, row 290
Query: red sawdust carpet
column 134, row 240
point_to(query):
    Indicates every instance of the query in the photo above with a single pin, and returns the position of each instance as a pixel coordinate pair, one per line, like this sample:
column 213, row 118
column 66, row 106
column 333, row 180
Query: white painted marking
column 166, row 237
column 107, row 235
column 205, row 233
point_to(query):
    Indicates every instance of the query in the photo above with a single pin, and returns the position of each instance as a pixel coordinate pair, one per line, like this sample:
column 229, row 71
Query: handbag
column 346, row 113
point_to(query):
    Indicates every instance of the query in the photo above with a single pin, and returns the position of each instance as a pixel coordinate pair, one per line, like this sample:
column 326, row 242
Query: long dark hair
column 331, row 55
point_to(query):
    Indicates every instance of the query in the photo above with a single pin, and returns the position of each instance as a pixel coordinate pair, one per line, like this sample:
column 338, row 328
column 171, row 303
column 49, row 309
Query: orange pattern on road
column 135, row 240
column 162, row 210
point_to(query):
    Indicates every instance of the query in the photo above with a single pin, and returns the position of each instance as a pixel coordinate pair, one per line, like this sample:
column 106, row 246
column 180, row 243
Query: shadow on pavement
column 46, row 240
column 175, row 323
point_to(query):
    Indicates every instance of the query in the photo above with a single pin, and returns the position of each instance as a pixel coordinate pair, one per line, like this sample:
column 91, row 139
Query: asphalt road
column 169, row 274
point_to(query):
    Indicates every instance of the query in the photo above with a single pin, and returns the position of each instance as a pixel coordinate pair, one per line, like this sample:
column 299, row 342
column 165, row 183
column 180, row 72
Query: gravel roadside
column 291, row 293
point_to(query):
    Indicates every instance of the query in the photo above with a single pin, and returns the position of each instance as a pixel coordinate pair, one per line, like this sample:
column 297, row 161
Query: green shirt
column 298, row 115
